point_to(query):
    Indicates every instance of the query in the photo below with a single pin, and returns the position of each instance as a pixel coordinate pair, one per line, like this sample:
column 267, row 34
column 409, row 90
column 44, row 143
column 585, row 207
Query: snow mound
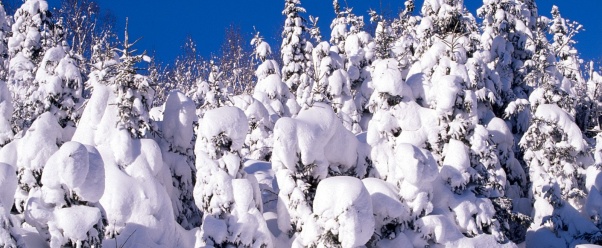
column 178, row 118
column 554, row 114
column 230, row 122
column 343, row 208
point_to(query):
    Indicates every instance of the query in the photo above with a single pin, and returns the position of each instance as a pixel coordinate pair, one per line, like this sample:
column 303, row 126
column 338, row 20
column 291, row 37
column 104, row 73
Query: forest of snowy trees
column 433, row 128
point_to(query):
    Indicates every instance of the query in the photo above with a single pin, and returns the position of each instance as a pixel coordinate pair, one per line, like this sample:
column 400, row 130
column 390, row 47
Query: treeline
column 474, row 133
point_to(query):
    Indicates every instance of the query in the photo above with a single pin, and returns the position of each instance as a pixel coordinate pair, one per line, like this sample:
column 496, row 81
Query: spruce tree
column 275, row 95
column 32, row 32
column 6, row 105
column 134, row 92
column 295, row 50
column 229, row 199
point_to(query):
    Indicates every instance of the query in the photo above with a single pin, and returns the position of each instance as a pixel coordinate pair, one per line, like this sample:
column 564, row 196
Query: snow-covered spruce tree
column 133, row 91
column 358, row 57
column 65, row 210
column 229, row 199
column 60, row 89
column 8, row 182
column 569, row 65
column 543, row 75
column 404, row 31
column 563, row 47
column 30, row 36
column 295, row 50
column 177, row 129
column 30, row 153
column 333, row 86
column 270, row 90
column 447, row 123
column 556, row 154
column 594, row 98
column 6, row 105
column 215, row 94
column 307, row 150
column 6, row 113
column 338, row 27
column 383, row 36
column 138, row 183
column 259, row 141
column 343, row 215
column 508, row 34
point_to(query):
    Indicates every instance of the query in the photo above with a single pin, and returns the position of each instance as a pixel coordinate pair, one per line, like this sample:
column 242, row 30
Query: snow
column 387, row 79
column 408, row 139
column 227, row 121
column 6, row 111
column 554, row 114
column 344, row 208
column 447, row 90
column 8, row 182
column 178, row 118
column 456, row 166
column 386, row 203
column 76, row 230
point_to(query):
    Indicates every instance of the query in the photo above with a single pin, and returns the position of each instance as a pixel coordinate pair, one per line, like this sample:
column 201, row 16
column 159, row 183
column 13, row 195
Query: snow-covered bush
column 259, row 142
column 30, row 153
column 177, row 130
column 391, row 216
column 343, row 215
column 230, row 200
column 65, row 210
column 307, row 150
column 136, row 201
column 60, row 89
column 295, row 49
column 30, row 33
column 333, row 85
column 8, row 183
column 275, row 95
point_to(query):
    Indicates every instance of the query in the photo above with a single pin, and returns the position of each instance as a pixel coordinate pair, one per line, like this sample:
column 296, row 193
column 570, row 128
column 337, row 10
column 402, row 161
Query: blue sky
column 164, row 25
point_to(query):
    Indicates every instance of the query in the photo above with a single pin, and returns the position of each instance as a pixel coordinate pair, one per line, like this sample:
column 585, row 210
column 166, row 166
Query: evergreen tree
column 31, row 34
column 437, row 109
column 508, row 34
column 8, row 182
column 404, row 30
column 60, row 89
column 212, row 92
column 295, row 49
column 6, row 105
column 305, row 153
column 133, row 91
column 177, row 129
column 69, row 197
column 270, row 90
column 228, row 197
column 333, row 86
column 569, row 65
column 555, row 152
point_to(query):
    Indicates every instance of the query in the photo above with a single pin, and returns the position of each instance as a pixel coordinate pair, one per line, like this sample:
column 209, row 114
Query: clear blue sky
column 164, row 25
